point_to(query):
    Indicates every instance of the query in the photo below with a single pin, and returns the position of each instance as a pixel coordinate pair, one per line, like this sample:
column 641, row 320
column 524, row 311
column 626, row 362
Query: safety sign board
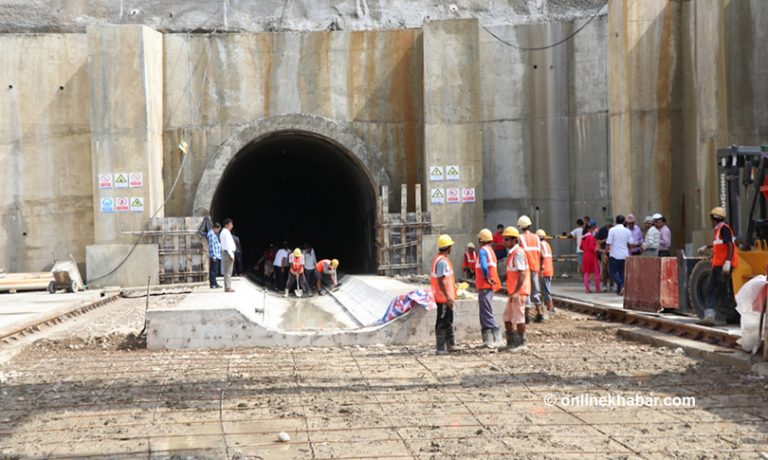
column 122, row 204
column 452, row 172
column 436, row 173
column 437, row 195
column 121, row 180
column 136, row 180
column 105, row 180
column 107, row 205
column 137, row 204
column 453, row 195
column 468, row 195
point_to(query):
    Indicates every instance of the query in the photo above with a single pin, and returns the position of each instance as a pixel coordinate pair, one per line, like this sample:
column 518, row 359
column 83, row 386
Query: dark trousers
column 718, row 293
column 444, row 326
column 280, row 277
column 310, row 276
column 213, row 271
column 616, row 267
column 664, row 253
column 238, row 264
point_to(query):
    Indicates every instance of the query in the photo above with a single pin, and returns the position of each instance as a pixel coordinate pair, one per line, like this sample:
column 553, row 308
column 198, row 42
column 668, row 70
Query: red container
column 650, row 283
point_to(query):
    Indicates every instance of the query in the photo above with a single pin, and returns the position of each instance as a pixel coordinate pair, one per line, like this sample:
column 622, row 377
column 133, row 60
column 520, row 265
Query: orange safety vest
column 469, row 259
column 547, row 267
column 480, row 281
column 532, row 246
column 450, row 280
column 297, row 264
column 720, row 249
column 513, row 275
column 320, row 267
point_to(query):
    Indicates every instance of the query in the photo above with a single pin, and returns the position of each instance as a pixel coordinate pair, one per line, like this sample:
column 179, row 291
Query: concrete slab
column 254, row 317
column 143, row 262
column 22, row 309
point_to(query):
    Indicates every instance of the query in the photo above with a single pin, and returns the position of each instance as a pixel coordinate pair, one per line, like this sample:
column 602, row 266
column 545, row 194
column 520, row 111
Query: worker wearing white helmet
column 443, row 285
column 487, row 282
column 725, row 256
column 296, row 272
column 532, row 246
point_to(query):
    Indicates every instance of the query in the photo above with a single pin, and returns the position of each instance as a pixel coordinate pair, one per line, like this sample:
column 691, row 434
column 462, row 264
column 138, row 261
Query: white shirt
column 517, row 263
column 310, row 260
column 227, row 242
column 280, row 257
column 618, row 237
column 652, row 238
column 577, row 233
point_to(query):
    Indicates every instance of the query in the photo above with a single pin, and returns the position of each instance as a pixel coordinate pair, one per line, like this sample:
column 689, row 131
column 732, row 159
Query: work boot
column 709, row 318
column 487, row 337
column 496, row 333
column 521, row 345
column 450, row 340
column 286, row 293
column 440, row 338
column 511, row 340
column 539, row 318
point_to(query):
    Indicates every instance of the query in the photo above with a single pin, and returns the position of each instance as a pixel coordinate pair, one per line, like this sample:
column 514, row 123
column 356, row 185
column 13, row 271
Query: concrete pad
column 22, row 309
column 143, row 262
column 252, row 316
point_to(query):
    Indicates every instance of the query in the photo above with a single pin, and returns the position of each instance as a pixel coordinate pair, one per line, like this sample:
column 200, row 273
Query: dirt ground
column 74, row 393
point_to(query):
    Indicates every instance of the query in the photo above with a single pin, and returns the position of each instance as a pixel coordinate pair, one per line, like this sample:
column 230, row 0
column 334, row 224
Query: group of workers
column 529, row 272
column 286, row 270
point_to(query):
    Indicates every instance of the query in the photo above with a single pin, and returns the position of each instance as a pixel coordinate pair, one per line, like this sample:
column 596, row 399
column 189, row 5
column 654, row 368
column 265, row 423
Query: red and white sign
column 122, row 204
column 136, row 180
column 453, row 195
column 468, row 195
column 105, row 180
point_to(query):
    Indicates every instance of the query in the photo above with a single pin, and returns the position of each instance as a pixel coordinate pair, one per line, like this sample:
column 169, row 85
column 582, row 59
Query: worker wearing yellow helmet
column 296, row 272
column 442, row 282
column 724, row 259
column 487, row 282
column 547, row 270
column 518, row 288
column 326, row 274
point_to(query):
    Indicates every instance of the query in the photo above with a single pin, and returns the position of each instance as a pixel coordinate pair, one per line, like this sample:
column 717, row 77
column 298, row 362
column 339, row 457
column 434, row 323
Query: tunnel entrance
column 300, row 187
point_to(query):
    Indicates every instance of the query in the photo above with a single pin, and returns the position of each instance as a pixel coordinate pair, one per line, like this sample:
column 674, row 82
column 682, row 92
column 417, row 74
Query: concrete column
column 125, row 65
column 452, row 116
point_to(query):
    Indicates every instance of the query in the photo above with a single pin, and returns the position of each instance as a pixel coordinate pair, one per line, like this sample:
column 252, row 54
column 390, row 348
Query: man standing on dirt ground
column 228, row 249
column 532, row 247
column 296, row 272
column 279, row 265
column 518, row 288
column 487, row 282
column 214, row 255
column 547, row 271
column 725, row 256
column 617, row 244
column 442, row 282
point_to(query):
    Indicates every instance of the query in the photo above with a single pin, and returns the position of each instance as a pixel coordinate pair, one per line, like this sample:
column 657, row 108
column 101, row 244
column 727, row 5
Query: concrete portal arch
column 308, row 125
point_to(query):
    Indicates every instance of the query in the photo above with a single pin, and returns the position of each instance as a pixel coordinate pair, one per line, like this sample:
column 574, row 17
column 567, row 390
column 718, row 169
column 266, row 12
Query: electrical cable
column 560, row 42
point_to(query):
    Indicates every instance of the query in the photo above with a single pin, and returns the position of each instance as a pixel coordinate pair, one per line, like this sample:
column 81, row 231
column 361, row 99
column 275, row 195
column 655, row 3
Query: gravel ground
column 76, row 394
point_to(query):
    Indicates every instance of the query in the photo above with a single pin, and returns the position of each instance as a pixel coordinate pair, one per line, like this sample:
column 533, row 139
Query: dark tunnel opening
column 297, row 187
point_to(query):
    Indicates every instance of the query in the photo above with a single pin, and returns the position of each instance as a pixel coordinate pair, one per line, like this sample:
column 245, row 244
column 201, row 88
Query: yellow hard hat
column 471, row 245
column 443, row 241
column 485, row 236
column 541, row 233
column 335, row 264
column 296, row 252
column 717, row 211
column 524, row 222
column 511, row 231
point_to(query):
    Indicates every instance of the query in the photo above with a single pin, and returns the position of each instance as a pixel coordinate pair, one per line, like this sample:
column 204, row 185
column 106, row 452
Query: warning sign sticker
column 452, row 172
column 136, row 180
column 436, row 173
column 122, row 204
column 107, row 205
column 137, row 204
column 468, row 195
column 104, row 180
column 437, row 195
column 453, row 195
column 121, row 180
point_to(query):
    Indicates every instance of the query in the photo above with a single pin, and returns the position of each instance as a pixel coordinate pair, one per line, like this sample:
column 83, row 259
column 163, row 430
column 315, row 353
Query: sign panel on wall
column 453, row 195
column 452, row 172
column 107, row 205
column 137, row 204
column 436, row 173
column 437, row 196
column 122, row 204
column 468, row 195
column 121, row 180
column 136, row 180
column 105, row 180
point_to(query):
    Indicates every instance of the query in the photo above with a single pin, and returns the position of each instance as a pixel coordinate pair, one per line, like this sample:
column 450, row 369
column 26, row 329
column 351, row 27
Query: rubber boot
column 511, row 340
column 539, row 318
column 522, row 344
column 450, row 340
column 440, row 338
column 286, row 293
column 496, row 340
column 487, row 337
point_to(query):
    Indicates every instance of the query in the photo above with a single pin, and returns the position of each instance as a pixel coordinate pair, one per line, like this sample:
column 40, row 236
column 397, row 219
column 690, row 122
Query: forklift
column 740, row 170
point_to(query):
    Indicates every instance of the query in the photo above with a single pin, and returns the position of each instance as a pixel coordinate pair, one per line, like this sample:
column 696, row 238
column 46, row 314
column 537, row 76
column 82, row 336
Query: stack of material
column 13, row 282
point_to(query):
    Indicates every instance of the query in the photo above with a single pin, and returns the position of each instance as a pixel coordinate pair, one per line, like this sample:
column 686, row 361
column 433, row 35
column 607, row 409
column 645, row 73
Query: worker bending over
column 487, row 282
column 296, row 272
column 443, row 285
column 532, row 246
column 325, row 270
column 547, row 271
column 470, row 260
column 724, row 259
column 518, row 288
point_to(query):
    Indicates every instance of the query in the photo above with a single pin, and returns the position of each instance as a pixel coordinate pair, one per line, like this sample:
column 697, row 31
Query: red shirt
column 498, row 241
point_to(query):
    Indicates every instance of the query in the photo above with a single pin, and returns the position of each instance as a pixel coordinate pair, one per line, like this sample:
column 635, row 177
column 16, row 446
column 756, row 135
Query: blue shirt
column 484, row 263
column 214, row 246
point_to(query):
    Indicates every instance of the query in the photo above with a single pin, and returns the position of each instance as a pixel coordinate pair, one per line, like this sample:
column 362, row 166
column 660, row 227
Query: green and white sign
column 436, row 173
column 437, row 195
column 452, row 172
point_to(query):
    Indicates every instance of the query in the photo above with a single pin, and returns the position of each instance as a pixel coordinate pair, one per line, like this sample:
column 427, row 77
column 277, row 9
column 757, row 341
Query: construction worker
column 487, row 282
column 547, row 271
column 470, row 259
column 325, row 270
column 532, row 246
column 518, row 288
column 443, row 285
column 296, row 272
column 724, row 259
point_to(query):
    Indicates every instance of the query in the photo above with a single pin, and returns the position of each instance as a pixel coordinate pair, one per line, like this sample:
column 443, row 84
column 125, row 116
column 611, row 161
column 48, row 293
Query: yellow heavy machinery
column 743, row 180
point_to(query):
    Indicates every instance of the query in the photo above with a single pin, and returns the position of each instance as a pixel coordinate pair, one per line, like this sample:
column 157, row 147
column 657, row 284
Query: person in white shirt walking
column 618, row 241
column 228, row 249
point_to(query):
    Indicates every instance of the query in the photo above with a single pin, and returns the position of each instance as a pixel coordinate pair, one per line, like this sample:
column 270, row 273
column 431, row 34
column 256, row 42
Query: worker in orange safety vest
column 442, row 282
column 470, row 260
column 487, row 282
column 518, row 289
column 532, row 246
column 724, row 259
column 296, row 272
column 547, row 271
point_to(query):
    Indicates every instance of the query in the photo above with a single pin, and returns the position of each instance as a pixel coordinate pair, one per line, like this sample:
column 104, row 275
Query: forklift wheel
column 52, row 287
column 72, row 286
column 697, row 286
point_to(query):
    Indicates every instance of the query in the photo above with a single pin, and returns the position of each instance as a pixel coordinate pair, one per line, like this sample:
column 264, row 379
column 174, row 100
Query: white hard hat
column 657, row 216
